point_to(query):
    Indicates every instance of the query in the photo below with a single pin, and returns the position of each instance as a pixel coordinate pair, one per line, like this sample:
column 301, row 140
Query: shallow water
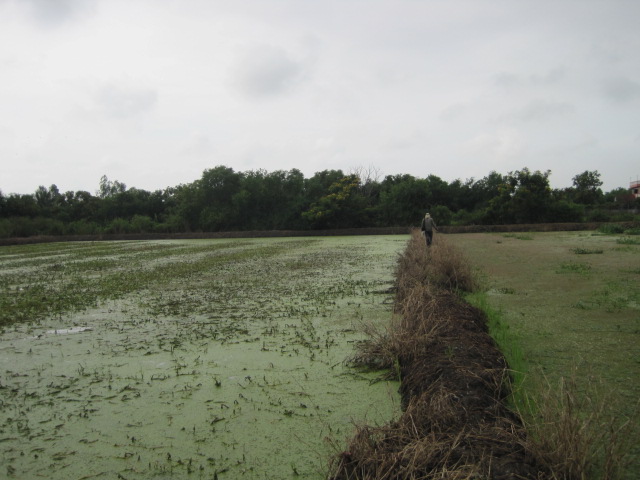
column 190, row 358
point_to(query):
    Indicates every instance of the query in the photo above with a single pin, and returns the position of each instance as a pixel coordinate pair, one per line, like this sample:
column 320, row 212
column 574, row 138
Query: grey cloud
column 199, row 145
column 453, row 112
column 56, row 12
column 606, row 53
column 621, row 90
column 507, row 80
column 551, row 77
column 541, row 110
column 125, row 101
column 266, row 71
column 407, row 141
column 510, row 80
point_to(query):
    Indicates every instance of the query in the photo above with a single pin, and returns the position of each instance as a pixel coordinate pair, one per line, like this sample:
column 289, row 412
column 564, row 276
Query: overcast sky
column 152, row 92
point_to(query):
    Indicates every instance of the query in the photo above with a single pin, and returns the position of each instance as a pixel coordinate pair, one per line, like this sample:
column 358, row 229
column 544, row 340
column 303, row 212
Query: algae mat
column 199, row 359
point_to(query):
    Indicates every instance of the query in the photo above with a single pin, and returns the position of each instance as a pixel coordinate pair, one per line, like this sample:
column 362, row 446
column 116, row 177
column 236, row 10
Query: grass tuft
column 587, row 251
column 628, row 241
column 611, row 229
column 574, row 267
column 441, row 265
column 519, row 236
column 572, row 434
column 505, row 339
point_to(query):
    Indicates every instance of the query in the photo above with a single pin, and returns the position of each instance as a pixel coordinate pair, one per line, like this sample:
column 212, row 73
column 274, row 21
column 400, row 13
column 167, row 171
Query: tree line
column 226, row 200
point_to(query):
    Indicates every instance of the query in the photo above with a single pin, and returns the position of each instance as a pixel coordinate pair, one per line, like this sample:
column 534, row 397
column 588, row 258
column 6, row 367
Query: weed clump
column 442, row 265
column 587, row 251
column 628, row 241
column 573, row 435
column 574, row 267
column 611, row 229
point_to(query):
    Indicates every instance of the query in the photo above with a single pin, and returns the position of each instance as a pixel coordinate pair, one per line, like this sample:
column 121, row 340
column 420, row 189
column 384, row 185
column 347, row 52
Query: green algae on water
column 188, row 358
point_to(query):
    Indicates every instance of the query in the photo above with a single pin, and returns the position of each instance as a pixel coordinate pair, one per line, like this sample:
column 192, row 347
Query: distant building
column 635, row 188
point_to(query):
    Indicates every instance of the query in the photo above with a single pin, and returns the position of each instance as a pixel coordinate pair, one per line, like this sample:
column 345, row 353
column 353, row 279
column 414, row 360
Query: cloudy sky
column 152, row 92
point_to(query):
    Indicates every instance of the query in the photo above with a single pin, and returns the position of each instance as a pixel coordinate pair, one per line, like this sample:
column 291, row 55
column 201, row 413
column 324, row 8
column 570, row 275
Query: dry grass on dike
column 449, row 270
column 454, row 384
column 575, row 435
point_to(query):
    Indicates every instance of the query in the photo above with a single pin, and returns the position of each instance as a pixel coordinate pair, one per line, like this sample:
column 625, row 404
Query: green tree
column 49, row 201
column 284, row 199
column 523, row 197
column 187, row 207
column 107, row 188
column 216, row 190
column 318, row 185
column 403, row 200
column 587, row 188
column 460, row 195
column 486, row 189
column 342, row 207
column 81, row 205
column 437, row 192
column 441, row 214
column 20, row 205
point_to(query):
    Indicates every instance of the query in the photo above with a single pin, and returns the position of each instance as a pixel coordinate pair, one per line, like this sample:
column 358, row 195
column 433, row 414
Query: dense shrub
column 623, row 216
column 443, row 214
column 118, row 225
column 28, row 227
column 564, row 211
column 611, row 228
column 6, row 228
column 142, row 224
column 598, row 215
column 463, row 217
column 83, row 227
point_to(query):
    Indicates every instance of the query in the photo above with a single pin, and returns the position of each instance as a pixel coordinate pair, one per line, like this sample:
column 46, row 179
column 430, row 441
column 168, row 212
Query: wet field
column 176, row 359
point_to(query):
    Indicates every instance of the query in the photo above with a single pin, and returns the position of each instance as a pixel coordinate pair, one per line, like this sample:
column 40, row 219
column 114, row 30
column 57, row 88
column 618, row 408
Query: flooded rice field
column 188, row 359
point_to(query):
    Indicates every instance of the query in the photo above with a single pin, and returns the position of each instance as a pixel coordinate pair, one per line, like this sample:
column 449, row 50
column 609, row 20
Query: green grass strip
column 507, row 342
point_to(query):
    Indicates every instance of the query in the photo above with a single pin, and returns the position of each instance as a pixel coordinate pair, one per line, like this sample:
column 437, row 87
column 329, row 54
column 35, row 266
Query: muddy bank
column 454, row 383
column 538, row 227
column 205, row 235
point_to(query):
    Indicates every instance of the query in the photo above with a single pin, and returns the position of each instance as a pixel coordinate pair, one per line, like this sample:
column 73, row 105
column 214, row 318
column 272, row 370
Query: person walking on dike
column 427, row 227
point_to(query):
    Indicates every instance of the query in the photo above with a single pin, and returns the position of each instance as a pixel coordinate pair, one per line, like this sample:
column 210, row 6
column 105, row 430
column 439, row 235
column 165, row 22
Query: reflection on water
column 66, row 331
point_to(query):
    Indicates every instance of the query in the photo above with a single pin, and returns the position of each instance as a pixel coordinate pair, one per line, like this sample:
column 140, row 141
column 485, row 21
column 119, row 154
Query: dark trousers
column 428, row 236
